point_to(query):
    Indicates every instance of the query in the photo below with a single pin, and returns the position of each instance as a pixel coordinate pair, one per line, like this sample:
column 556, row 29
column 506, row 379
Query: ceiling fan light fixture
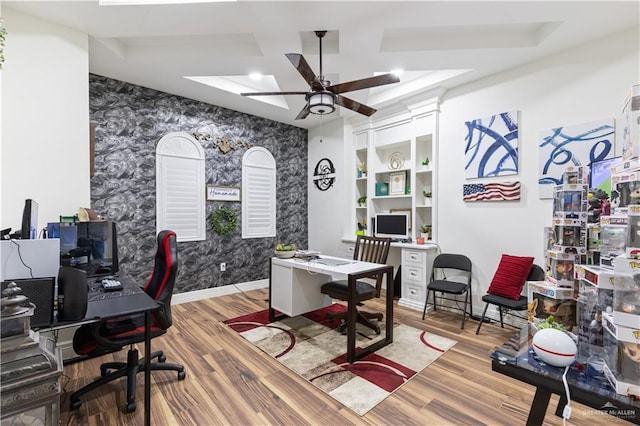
column 321, row 103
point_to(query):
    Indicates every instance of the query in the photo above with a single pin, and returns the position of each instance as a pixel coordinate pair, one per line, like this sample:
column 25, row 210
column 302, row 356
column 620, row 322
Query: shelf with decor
column 400, row 153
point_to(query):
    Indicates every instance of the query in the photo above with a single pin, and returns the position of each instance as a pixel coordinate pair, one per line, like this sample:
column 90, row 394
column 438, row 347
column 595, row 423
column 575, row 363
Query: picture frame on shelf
column 397, row 182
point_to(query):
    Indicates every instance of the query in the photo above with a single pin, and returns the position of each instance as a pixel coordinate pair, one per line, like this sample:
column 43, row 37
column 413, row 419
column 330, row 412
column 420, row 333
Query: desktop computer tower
column 72, row 294
column 40, row 292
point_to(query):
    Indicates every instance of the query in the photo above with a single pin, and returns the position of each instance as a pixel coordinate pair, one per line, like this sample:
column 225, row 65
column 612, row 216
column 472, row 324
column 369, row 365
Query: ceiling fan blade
column 364, row 83
column 355, row 106
column 272, row 93
column 305, row 70
column 303, row 113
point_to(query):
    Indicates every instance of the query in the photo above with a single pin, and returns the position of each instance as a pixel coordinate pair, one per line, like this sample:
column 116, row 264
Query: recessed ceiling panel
column 466, row 37
column 241, row 83
column 218, row 44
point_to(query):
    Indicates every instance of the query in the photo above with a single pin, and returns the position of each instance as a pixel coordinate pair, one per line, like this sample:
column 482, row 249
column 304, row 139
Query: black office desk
column 132, row 300
column 517, row 359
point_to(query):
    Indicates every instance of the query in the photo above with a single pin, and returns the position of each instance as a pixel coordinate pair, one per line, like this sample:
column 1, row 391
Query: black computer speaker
column 40, row 292
column 72, row 294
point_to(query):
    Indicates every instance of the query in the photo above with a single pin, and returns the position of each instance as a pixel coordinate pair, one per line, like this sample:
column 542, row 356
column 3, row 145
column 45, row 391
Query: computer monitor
column 29, row 230
column 91, row 246
column 392, row 225
column 600, row 176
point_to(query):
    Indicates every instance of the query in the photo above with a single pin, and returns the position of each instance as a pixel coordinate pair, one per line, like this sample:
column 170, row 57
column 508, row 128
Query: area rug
column 310, row 346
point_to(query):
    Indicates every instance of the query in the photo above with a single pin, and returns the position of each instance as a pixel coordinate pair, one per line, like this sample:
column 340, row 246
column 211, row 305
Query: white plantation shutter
column 258, row 194
column 180, row 187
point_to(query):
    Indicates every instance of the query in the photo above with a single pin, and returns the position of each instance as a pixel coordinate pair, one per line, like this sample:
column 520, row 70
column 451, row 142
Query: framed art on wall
column 397, row 182
column 222, row 193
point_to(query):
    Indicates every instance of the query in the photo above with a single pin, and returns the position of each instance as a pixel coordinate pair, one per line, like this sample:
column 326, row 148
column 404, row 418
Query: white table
column 294, row 289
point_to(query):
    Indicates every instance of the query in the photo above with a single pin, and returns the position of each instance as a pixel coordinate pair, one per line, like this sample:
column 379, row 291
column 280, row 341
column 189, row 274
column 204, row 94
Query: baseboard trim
column 193, row 296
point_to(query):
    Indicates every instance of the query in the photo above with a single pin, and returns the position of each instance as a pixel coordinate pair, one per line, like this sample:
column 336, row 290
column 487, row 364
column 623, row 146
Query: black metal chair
column 460, row 266
column 506, row 305
column 368, row 249
column 112, row 335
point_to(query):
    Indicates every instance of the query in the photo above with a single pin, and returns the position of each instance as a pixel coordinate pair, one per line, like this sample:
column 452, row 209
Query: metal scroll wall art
column 224, row 144
column 324, row 175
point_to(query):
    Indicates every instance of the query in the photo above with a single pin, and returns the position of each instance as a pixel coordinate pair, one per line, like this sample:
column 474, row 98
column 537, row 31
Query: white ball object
column 555, row 347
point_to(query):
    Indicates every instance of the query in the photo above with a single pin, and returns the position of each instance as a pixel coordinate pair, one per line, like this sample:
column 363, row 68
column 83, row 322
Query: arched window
column 180, row 186
column 258, row 194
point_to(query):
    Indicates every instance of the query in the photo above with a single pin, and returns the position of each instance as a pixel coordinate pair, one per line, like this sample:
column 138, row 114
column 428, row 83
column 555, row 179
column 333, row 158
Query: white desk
column 294, row 289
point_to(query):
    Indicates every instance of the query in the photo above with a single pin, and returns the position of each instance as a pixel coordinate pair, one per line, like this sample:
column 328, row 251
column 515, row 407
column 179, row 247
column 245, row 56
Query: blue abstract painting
column 577, row 145
column 491, row 146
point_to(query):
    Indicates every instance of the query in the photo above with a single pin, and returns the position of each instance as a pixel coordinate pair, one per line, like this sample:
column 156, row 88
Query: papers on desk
column 307, row 253
column 332, row 262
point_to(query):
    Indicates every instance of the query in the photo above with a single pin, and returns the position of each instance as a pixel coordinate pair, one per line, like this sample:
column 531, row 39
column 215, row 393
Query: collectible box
column 570, row 236
column 545, row 299
column 592, row 302
column 597, row 277
column 627, row 186
column 632, row 241
column 570, row 201
column 626, row 292
column 560, row 268
column 613, row 232
column 622, row 357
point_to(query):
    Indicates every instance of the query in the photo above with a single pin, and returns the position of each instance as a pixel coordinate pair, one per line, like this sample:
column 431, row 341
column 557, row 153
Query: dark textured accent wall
column 130, row 120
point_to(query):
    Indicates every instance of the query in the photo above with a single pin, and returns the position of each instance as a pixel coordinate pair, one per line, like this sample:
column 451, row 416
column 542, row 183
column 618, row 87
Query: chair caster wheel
column 162, row 358
column 131, row 407
column 75, row 404
column 182, row 375
column 377, row 330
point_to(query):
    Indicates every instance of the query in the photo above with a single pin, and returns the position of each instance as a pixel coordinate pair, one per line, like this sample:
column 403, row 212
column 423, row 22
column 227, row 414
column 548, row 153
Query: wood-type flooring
column 230, row 382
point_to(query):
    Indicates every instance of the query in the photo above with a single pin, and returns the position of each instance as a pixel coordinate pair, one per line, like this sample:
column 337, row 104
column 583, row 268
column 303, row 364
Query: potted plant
column 427, row 196
column 362, row 201
column 425, row 231
column 362, row 170
column 426, row 162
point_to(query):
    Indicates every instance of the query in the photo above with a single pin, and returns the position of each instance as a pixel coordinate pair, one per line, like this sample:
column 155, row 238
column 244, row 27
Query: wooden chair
column 506, row 305
column 368, row 249
column 460, row 265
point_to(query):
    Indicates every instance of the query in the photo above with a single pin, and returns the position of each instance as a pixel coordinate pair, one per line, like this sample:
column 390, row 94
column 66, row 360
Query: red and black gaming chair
column 112, row 335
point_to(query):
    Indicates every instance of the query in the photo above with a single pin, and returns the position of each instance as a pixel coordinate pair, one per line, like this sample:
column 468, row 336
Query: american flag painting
column 499, row 191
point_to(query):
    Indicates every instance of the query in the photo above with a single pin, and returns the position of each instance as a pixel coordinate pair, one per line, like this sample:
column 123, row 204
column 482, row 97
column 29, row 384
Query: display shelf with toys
column 626, row 292
column 621, row 357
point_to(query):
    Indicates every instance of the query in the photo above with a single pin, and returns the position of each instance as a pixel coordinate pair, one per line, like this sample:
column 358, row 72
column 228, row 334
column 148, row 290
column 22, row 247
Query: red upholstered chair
column 507, row 284
column 112, row 335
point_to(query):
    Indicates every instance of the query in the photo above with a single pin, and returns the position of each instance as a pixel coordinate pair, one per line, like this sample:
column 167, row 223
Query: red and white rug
column 310, row 346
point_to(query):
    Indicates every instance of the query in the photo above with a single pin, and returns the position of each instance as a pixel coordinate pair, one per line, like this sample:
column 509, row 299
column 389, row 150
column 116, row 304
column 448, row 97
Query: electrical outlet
column 223, row 267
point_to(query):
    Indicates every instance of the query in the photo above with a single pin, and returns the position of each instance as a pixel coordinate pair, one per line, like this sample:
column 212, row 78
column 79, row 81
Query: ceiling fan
column 323, row 96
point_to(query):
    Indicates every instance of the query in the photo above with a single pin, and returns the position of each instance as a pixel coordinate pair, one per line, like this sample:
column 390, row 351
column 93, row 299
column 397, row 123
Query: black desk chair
column 368, row 249
column 112, row 335
column 506, row 305
column 460, row 265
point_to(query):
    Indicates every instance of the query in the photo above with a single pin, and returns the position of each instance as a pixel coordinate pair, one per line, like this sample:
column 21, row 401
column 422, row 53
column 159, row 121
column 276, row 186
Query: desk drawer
column 418, row 257
column 413, row 273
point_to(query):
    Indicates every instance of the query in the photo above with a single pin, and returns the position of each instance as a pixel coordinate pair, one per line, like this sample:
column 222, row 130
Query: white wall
column 329, row 209
column 577, row 86
column 45, row 120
